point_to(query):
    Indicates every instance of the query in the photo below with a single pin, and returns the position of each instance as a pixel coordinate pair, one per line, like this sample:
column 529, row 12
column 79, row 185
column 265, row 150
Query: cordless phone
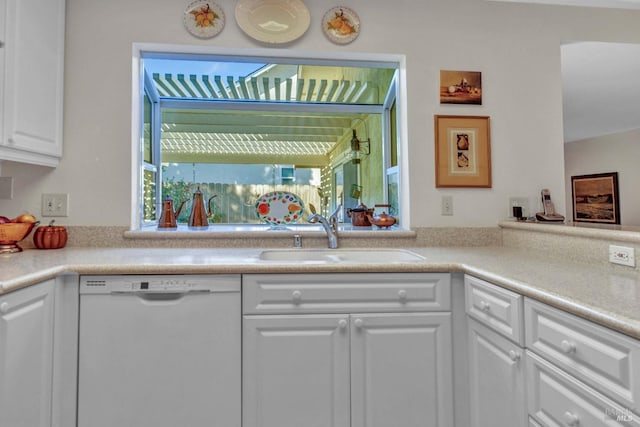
column 549, row 213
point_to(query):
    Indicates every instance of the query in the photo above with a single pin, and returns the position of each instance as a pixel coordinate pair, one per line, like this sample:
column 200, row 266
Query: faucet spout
column 330, row 226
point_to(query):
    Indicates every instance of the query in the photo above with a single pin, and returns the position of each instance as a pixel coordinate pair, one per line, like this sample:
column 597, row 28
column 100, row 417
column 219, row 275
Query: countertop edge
column 243, row 261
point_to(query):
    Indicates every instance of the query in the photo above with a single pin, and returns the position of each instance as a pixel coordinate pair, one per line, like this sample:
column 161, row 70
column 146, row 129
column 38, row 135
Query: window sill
column 257, row 231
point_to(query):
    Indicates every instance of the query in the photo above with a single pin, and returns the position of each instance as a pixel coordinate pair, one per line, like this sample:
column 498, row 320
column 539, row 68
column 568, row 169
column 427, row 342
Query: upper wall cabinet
column 31, row 80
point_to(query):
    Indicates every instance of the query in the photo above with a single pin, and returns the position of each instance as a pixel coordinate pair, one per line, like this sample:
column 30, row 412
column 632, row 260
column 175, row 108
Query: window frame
column 145, row 50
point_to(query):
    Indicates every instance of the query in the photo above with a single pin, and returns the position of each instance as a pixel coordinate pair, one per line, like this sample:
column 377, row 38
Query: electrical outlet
column 55, row 205
column 622, row 255
column 523, row 202
column 447, row 205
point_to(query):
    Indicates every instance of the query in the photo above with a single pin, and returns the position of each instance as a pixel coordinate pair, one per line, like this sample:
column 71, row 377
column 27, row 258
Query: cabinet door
column 496, row 379
column 401, row 370
column 296, row 371
column 26, row 356
column 33, row 81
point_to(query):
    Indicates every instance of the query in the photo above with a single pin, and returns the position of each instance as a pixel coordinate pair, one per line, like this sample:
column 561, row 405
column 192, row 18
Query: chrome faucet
column 330, row 226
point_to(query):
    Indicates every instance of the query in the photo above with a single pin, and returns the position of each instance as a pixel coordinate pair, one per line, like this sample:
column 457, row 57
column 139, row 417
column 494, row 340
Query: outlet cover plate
column 447, row 205
column 523, row 202
column 622, row 255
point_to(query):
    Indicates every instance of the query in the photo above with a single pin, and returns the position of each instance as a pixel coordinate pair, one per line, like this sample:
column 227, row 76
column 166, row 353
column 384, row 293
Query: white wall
column 618, row 152
column 516, row 46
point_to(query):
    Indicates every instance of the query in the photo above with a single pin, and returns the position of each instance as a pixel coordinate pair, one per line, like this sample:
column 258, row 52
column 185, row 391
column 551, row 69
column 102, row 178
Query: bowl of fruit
column 14, row 230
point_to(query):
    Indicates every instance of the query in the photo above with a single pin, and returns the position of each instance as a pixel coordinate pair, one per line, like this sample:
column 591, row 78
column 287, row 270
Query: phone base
column 541, row 216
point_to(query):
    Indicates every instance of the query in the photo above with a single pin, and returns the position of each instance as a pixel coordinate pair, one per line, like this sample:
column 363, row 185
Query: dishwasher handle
column 165, row 295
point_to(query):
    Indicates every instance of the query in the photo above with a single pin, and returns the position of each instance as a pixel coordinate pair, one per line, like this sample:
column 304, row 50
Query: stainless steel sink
column 334, row 256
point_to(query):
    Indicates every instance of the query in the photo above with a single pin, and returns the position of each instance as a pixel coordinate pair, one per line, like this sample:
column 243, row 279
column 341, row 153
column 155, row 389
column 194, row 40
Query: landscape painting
column 595, row 198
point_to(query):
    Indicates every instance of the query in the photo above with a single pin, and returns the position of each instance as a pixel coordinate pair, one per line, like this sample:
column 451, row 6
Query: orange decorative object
column 50, row 237
column 13, row 232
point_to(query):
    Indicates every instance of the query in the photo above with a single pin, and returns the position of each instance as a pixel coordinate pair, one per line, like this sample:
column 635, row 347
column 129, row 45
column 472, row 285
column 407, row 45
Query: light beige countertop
column 608, row 296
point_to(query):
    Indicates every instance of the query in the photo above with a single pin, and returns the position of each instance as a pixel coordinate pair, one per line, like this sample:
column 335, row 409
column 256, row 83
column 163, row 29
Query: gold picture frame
column 463, row 151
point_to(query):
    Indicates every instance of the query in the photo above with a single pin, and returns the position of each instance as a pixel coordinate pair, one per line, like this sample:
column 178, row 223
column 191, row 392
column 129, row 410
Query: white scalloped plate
column 279, row 208
column 341, row 25
column 204, row 28
column 273, row 21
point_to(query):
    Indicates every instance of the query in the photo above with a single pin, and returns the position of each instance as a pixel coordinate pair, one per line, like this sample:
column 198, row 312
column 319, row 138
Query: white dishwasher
column 159, row 351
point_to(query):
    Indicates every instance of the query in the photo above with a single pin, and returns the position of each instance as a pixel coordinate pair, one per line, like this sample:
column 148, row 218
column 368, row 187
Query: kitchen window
column 238, row 127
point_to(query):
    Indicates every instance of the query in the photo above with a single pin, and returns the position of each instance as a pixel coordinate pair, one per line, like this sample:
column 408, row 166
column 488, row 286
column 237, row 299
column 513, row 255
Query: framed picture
column 463, row 151
column 460, row 87
column 595, row 198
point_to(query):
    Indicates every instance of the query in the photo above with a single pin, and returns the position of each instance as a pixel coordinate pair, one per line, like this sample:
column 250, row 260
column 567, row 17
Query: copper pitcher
column 169, row 218
column 199, row 216
column 360, row 216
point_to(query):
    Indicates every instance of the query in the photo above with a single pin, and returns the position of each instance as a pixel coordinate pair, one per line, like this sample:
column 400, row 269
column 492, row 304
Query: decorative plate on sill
column 273, row 21
column 204, row 19
column 279, row 208
column 341, row 25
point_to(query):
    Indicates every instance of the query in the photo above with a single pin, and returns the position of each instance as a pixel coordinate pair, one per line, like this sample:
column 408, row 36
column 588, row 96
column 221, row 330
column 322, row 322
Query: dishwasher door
column 159, row 351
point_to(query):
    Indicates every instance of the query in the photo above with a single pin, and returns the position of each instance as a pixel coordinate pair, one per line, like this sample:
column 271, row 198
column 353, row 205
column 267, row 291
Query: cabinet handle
column 568, row 346
column 514, row 356
column 402, row 294
column 1, row 44
column 342, row 323
column 11, row 140
column 296, row 296
column 4, row 307
column 485, row 306
column 571, row 420
column 358, row 323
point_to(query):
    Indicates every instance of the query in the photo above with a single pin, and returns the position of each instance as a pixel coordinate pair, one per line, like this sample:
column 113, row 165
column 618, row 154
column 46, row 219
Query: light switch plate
column 6, row 187
column 55, row 205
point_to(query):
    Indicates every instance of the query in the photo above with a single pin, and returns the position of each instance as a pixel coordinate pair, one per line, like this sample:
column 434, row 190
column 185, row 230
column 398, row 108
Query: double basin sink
column 338, row 256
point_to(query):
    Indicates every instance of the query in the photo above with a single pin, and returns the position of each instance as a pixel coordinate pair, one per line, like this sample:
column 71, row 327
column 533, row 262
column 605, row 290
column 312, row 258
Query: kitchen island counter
column 604, row 294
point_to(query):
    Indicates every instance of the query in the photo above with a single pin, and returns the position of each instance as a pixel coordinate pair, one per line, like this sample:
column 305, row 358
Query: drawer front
column 557, row 399
column 345, row 293
column 604, row 359
column 496, row 307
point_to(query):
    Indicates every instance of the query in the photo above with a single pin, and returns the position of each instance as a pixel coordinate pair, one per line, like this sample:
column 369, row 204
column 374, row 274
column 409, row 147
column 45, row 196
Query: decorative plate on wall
column 341, row 25
column 279, row 208
column 273, row 21
column 204, row 19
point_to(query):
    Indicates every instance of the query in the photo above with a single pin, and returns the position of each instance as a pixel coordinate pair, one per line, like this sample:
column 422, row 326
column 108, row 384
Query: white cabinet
column 558, row 399
column 401, row 370
column 295, row 370
column 496, row 379
column 496, row 358
column 358, row 369
column 26, row 356
column 579, row 373
column 31, row 80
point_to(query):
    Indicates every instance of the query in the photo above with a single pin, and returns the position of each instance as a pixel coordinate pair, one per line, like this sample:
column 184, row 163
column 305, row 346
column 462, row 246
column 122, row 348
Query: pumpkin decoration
column 50, row 237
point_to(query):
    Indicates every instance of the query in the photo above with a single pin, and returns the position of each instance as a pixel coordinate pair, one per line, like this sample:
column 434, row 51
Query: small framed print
column 463, row 151
column 460, row 87
column 595, row 198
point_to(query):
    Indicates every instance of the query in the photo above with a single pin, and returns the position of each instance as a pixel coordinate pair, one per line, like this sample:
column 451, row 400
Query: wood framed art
column 463, row 151
column 595, row 198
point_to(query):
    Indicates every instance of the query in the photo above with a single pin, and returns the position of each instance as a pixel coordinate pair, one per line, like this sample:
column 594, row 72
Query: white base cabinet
column 296, row 371
column 350, row 369
column 26, row 356
column 496, row 379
